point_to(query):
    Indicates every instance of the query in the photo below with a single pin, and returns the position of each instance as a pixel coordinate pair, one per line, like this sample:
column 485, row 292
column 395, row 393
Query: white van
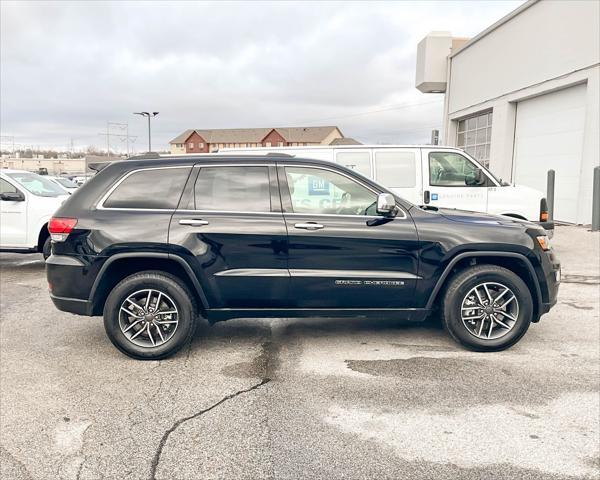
column 27, row 201
column 444, row 177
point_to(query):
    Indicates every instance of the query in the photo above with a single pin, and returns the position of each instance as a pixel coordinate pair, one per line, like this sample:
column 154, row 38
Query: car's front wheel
column 150, row 315
column 487, row 308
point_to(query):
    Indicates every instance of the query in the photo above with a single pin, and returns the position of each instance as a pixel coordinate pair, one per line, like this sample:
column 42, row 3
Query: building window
column 280, row 144
column 201, row 145
column 267, row 144
column 474, row 136
column 191, row 144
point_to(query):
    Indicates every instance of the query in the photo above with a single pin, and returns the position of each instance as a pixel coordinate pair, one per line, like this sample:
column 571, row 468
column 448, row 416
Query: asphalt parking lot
column 291, row 398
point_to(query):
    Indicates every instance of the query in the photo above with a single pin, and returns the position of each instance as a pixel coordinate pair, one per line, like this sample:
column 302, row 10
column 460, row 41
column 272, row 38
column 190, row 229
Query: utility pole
column 109, row 133
column 148, row 114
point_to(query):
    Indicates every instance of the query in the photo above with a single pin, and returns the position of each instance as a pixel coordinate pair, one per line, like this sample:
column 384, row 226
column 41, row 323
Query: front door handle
column 194, row 222
column 309, row 226
column 426, row 196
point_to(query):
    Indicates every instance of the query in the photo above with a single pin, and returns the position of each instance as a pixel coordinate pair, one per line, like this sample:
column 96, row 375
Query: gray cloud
column 67, row 68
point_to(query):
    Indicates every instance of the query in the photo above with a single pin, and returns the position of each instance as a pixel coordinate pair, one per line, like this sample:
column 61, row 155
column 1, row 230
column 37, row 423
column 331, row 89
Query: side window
column 396, row 169
column 6, row 187
column 359, row 161
column 158, row 188
column 233, row 189
column 318, row 191
column 449, row 169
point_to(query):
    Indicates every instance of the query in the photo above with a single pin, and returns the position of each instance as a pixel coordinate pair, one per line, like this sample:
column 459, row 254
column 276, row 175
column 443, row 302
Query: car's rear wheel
column 487, row 308
column 150, row 315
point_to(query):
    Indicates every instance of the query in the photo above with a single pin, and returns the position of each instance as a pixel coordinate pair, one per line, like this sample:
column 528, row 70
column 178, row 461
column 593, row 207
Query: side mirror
column 477, row 178
column 386, row 204
column 12, row 197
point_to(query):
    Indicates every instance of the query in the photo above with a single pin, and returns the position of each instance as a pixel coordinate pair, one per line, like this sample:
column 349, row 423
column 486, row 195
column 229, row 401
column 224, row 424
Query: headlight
column 544, row 242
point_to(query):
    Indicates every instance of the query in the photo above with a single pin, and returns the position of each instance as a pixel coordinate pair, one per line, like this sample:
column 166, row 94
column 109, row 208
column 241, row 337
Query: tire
column 176, row 329
column 47, row 248
column 461, row 305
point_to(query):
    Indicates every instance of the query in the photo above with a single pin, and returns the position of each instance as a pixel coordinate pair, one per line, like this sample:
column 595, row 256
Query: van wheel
column 487, row 308
column 150, row 315
column 47, row 248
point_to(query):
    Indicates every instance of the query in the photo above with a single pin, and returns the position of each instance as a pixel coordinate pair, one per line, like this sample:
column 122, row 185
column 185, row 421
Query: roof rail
column 143, row 156
column 277, row 154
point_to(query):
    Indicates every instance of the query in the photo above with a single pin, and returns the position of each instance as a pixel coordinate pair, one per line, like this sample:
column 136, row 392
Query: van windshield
column 38, row 185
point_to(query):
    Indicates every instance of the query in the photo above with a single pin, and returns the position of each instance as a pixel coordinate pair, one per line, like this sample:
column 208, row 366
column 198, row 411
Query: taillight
column 544, row 215
column 60, row 228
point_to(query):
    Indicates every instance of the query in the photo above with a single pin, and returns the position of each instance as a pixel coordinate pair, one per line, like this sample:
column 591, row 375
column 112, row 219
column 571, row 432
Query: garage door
column 549, row 135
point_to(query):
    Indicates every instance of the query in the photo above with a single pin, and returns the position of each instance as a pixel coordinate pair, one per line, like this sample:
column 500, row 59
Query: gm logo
column 318, row 186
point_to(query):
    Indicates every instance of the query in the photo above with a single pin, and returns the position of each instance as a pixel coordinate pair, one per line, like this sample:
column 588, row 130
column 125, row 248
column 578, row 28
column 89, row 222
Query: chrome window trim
column 234, row 212
column 368, row 187
column 100, row 204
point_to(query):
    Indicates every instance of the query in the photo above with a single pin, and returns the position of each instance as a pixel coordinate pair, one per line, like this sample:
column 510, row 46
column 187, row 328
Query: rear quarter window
column 158, row 188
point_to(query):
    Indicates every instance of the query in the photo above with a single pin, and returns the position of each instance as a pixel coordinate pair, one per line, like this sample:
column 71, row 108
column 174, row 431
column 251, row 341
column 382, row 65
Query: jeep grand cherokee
column 152, row 244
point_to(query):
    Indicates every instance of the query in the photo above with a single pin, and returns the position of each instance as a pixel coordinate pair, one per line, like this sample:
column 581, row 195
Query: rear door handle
column 194, row 222
column 309, row 226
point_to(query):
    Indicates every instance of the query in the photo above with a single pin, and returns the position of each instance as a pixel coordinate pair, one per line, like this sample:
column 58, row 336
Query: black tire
column 47, row 248
column 167, row 284
column 459, row 287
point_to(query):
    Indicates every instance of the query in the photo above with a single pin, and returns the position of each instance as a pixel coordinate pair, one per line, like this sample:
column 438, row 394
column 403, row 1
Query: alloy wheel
column 148, row 318
column 489, row 310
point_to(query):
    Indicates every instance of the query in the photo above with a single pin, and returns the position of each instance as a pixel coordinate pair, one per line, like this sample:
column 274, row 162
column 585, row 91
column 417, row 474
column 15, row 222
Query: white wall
column 548, row 39
column 550, row 45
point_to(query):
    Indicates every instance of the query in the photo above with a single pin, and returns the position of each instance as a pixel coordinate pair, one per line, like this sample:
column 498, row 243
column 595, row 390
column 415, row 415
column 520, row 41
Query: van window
column 230, row 189
column 396, row 169
column 359, row 161
column 156, row 188
column 450, row 169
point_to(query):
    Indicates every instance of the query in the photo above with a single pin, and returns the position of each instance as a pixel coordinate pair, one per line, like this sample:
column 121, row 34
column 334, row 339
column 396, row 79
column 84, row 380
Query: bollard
column 596, row 201
column 550, row 193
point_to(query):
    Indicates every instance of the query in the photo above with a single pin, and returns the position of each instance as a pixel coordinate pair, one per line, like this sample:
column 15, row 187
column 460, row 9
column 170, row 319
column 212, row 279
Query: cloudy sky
column 67, row 68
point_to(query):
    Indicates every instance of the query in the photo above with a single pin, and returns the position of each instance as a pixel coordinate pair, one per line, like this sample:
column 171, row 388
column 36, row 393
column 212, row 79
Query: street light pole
column 148, row 114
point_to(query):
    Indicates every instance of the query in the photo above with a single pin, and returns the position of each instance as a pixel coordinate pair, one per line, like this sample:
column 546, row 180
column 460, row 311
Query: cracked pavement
column 301, row 398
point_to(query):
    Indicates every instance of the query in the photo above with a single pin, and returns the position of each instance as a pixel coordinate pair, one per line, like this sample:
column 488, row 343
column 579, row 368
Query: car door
column 13, row 218
column 451, row 181
column 230, row 228
column 399, row 169
column 341, row 254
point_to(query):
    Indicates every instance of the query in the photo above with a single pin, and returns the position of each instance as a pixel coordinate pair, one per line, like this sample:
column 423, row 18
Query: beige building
column 204, row 141
column 54, row 166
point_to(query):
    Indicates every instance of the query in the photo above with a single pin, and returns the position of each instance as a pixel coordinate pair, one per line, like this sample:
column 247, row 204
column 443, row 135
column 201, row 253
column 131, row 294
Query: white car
column 65, row 183
column 27, row 202
column 444, row 177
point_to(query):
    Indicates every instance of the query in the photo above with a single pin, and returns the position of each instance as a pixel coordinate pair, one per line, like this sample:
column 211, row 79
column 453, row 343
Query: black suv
column 152, row 244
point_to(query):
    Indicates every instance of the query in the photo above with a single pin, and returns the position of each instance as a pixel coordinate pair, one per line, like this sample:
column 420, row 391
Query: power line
column 400, row 106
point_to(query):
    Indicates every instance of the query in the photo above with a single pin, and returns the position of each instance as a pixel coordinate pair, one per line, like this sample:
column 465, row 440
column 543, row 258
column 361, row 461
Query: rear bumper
column 68, row 280
column 72, row 305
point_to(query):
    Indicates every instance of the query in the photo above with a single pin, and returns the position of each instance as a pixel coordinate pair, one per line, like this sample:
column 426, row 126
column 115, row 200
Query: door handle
column 426, row 196
column 309, row 226
column 194, row 222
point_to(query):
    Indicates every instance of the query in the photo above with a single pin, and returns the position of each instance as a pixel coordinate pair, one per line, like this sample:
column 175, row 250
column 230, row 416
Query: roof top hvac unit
column 432, row 55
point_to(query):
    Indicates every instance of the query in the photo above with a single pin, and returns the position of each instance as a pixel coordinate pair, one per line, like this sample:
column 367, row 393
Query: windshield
column 37, row 184
column 65, row 182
